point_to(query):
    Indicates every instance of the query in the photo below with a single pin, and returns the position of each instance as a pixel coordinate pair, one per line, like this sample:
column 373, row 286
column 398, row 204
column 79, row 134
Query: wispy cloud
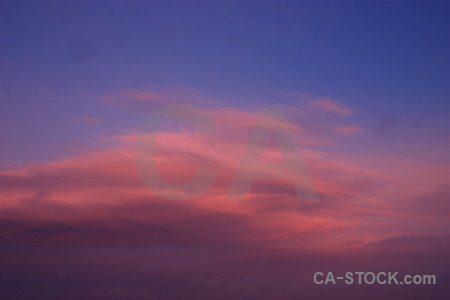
column 348, row 130
column 153, row 97
column 331, row 106
column 87, row 121
column 323, row 104
column 96, row 203
column 102, row 190
column 386, row 123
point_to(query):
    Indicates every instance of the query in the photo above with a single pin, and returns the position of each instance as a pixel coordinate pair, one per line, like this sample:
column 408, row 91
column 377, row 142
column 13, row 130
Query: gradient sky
column 364, row 83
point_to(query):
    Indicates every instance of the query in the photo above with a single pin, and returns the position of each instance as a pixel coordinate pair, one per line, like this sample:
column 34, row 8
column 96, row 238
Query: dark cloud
column 86, row 228
column 415, row 244
column 385, row 124
column 436, row 203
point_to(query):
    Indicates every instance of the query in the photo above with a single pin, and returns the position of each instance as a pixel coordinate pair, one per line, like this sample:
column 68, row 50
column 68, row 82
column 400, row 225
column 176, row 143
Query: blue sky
column 58, row 58
column 364, row 84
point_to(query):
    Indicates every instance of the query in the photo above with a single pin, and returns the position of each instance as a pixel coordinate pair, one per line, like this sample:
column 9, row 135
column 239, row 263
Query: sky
column 362, row 86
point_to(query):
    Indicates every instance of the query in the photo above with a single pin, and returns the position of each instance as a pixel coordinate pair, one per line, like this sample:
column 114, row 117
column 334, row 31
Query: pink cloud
column 332, row 106
column 348, row 130
column 321, row 104
column 103, row 188
column 153, row 97
column 89, row 216
column 103, row 191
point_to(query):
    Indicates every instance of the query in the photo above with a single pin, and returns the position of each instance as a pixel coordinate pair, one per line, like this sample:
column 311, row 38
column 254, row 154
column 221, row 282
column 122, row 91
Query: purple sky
column 364, row 83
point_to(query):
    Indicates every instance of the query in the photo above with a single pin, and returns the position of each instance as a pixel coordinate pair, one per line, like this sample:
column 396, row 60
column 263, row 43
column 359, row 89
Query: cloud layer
column 96, row 203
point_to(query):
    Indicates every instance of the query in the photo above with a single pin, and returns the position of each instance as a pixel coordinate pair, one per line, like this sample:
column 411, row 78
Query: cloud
column 385, row 124
column 120, row 293
column 154, row 97
column 87, row 121
column 90, row 218
column 432, row 244
column 435, row 202
column 331, row 106
column 101, row 190
column 300, row 94
column 348, row 130
column 322, row 104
